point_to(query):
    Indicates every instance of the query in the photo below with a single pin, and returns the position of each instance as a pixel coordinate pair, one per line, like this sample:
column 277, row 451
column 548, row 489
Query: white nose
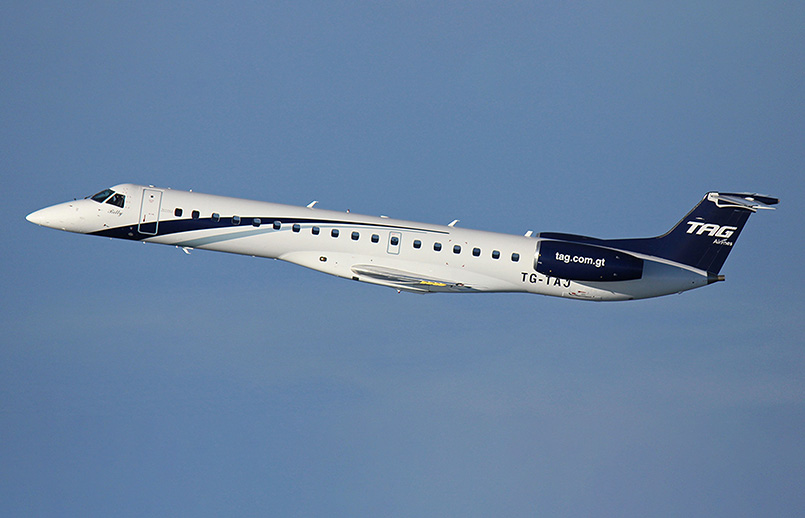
column 59, row 216
column 43, row 217
column 36, row 217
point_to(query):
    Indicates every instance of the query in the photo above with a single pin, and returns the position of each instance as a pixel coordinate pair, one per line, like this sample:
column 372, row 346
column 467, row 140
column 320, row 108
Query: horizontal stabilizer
column 742, row 200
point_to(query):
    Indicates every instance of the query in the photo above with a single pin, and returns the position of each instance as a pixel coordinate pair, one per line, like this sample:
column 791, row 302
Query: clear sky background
column 136, row 380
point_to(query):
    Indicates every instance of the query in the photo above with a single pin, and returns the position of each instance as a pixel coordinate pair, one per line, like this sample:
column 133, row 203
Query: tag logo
column 710, row 229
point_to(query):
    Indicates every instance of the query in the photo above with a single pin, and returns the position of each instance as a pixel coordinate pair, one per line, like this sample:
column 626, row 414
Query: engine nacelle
column 578, row 262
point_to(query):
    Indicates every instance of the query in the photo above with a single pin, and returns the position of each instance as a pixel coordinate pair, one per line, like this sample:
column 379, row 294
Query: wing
column 408, row 281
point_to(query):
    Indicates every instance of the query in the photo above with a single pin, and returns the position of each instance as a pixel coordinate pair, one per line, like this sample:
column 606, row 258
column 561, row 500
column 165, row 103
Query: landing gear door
column 149, row 212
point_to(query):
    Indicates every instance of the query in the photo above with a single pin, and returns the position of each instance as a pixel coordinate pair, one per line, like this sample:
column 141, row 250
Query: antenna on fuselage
column 312, row 204
column 453, row 223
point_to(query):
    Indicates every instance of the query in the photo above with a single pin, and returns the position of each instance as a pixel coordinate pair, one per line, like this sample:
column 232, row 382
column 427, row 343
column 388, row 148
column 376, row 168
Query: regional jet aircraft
column 420, row 257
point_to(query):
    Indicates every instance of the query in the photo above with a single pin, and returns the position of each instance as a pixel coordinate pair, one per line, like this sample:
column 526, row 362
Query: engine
column 578, row 262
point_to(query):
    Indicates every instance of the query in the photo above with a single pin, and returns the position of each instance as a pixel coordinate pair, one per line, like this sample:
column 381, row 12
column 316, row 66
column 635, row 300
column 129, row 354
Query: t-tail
column 706, row 235
column 702, row 239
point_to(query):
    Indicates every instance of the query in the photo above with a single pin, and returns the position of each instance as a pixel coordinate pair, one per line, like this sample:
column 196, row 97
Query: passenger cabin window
column 257, row 222
column 437, row 247
column 277, row 225
column 495, row 254
column 476, row 252
column 355, row 236
column 334, row 232
column 395, row 241
column 515, row 257
column 102, row 196
column 375, row 238
column 315, row 231
column 216, row 217
column 176, row 212
column 236, row 220
column 195, row 214
column 296, row 227
column 118, row 200
column 456, row 249
column 417, row 243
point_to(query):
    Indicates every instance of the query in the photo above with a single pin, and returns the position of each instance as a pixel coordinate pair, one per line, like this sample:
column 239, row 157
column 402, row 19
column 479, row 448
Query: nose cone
column 61, row 217
column 39, row 217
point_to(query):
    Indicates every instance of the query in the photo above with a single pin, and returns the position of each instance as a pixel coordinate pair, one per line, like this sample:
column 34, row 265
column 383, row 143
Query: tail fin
column 704, row 238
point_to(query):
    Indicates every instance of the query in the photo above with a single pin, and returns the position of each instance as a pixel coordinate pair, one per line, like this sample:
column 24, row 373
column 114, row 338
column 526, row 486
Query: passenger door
column 149, row 211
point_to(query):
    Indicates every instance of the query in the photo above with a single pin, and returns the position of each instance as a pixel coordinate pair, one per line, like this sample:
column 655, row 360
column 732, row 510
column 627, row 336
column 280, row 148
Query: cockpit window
column 118, row 200
column 101, row 196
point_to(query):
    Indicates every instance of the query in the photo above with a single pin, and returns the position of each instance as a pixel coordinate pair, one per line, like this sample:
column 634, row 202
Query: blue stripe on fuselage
column 178, row 226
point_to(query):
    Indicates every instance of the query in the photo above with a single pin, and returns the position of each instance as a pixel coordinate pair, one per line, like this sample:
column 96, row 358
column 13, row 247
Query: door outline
column 149, row 212
column 392, row 248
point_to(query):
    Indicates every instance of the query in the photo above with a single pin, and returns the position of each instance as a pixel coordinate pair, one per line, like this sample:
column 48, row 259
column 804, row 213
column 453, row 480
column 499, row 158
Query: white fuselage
column 404, row 255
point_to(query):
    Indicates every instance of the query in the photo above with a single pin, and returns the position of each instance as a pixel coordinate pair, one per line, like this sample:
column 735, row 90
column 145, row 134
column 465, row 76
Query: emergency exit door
column 394, row 243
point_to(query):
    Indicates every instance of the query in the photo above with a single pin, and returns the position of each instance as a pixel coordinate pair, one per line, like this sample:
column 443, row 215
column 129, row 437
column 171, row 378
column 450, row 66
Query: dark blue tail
column 702, row 239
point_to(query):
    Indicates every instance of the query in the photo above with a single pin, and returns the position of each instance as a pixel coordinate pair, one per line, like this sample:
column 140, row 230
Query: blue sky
column 136, row 380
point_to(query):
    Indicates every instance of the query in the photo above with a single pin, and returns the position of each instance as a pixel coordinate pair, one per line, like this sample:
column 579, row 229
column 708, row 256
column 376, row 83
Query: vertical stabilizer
column 706, row 235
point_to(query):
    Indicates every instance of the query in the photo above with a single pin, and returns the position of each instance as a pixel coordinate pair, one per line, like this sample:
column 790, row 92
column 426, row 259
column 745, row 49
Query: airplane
column 419, row 257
